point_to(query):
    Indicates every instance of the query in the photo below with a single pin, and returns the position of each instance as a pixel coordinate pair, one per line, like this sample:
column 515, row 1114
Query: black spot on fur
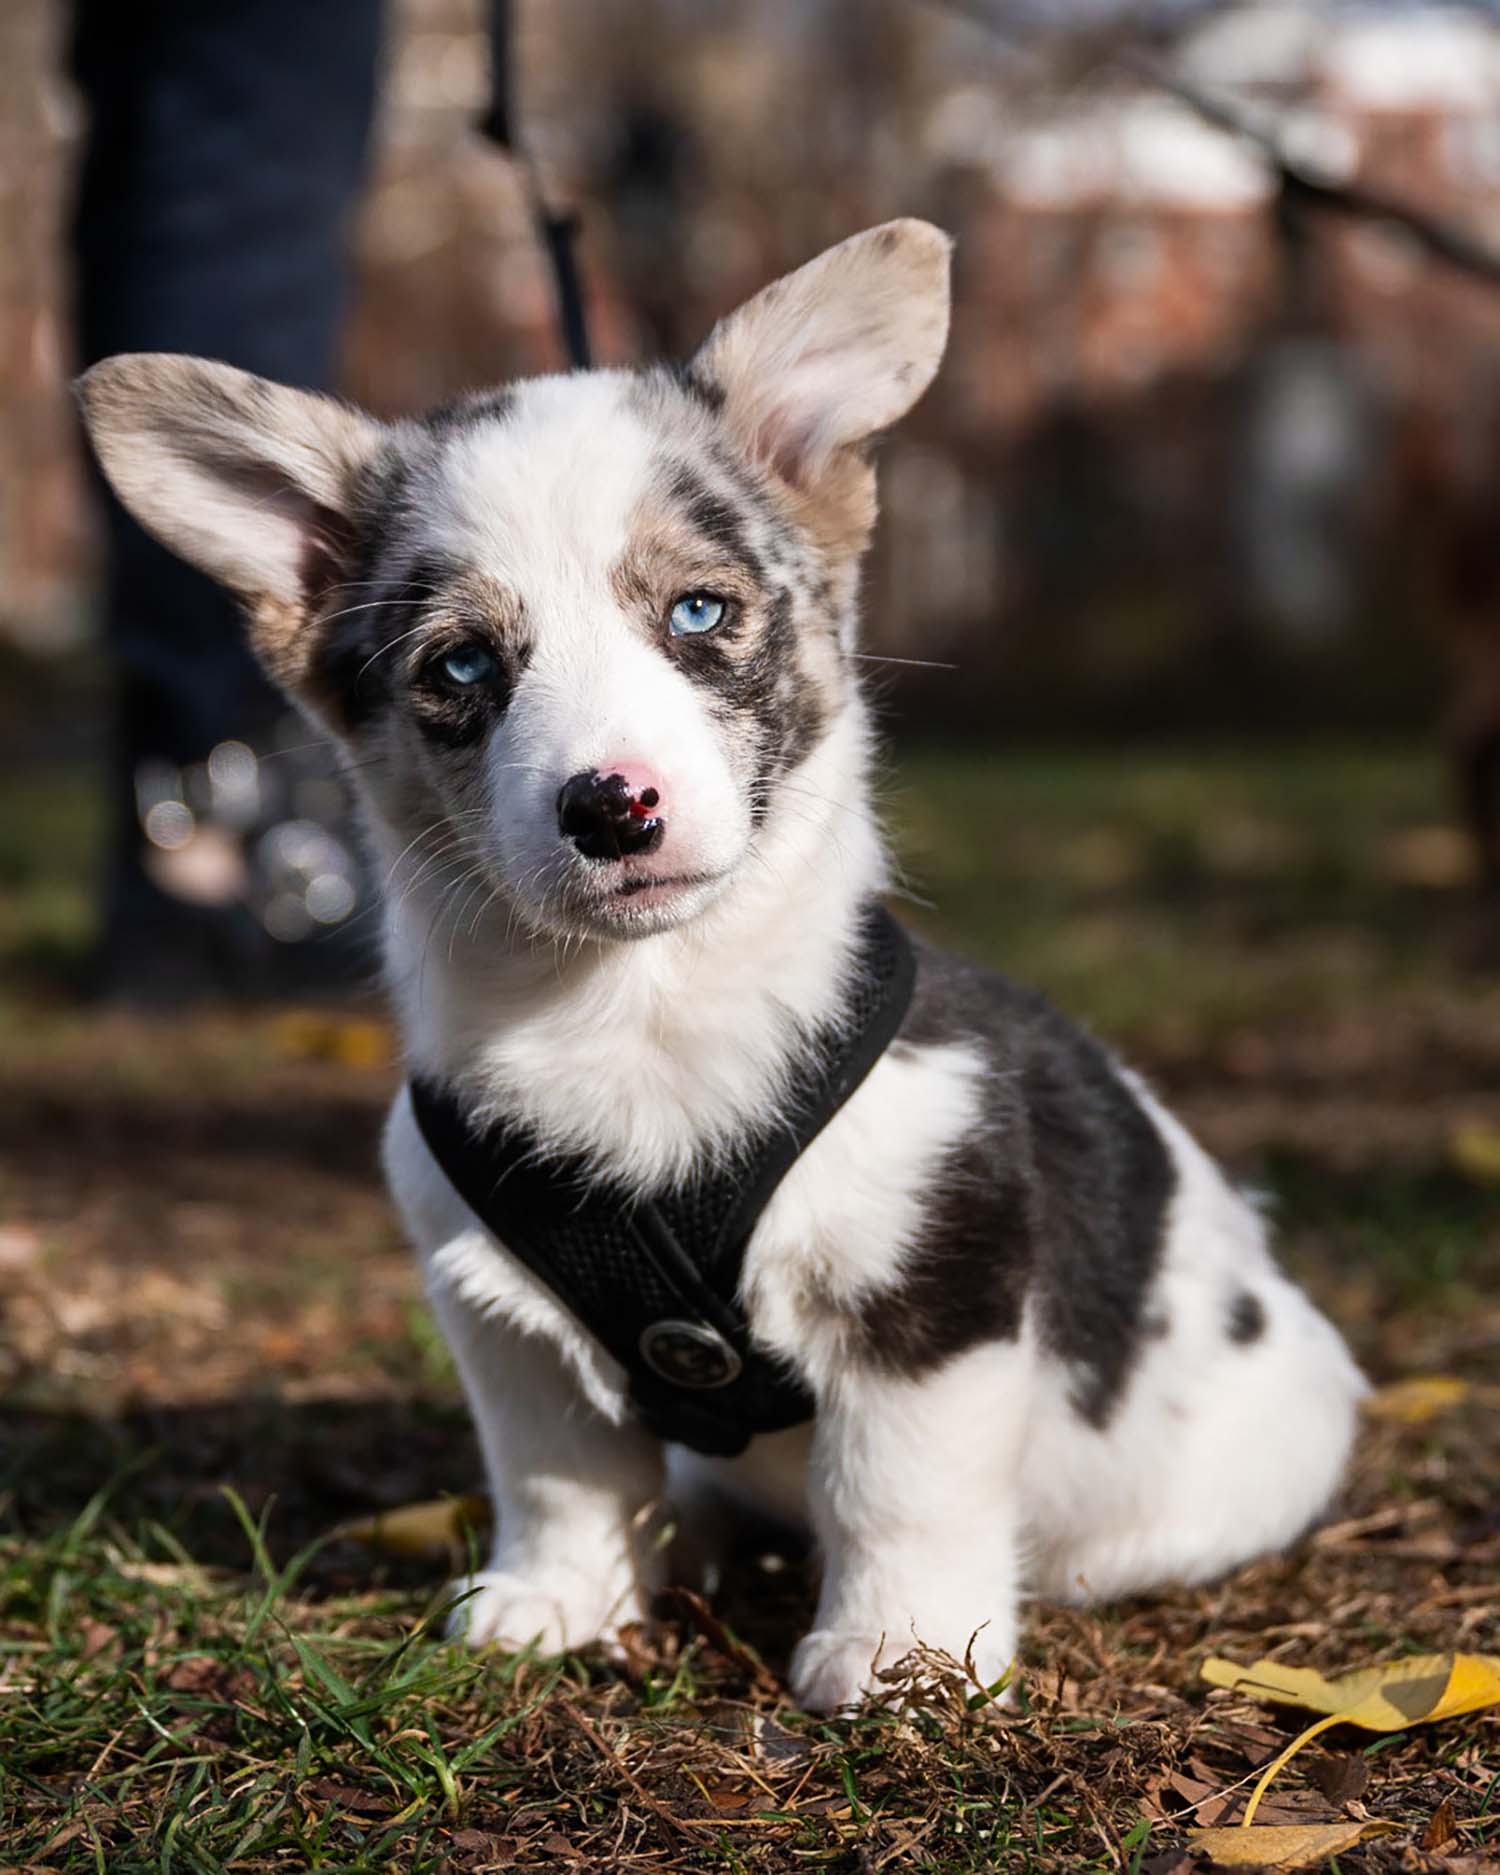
column 367, row 605
column 1247, row 1319
column 969, row 1281
column 796, row 718
column 1061, row 1190
column 779, row 539
column 455, row 719
column 378, row 501
column 690, row 377
column 721, row 523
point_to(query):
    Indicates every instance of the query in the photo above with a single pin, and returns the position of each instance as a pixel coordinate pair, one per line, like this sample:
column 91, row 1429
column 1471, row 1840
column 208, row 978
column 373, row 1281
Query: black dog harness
column 655, row 1280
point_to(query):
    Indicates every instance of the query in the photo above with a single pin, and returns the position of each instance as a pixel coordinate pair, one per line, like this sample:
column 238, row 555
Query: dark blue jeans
column 225, row 152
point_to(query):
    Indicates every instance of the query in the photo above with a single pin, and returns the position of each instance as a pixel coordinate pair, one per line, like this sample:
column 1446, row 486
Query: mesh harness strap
column 655, row 1280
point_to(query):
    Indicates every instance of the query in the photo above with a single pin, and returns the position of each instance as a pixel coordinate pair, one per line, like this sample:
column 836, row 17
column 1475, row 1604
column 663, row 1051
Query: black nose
column 604, row 820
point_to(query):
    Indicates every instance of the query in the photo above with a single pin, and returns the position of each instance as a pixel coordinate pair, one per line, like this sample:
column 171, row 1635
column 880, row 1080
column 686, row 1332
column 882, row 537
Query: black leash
column 557, row 229
column 655, row 1280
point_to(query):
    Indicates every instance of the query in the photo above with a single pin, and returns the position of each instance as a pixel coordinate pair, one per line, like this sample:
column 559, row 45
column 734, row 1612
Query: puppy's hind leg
column 1230, row 1445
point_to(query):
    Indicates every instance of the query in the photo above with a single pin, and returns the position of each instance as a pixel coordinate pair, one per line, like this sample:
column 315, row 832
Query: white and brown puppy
column 1048, row 1346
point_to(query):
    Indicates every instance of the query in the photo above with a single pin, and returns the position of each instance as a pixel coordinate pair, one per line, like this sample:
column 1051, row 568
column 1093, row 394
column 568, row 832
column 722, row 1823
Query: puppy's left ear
column 831, row 354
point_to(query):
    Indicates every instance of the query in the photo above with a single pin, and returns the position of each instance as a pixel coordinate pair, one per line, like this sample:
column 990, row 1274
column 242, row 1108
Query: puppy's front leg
column 574, row 1552
column 914, row 1499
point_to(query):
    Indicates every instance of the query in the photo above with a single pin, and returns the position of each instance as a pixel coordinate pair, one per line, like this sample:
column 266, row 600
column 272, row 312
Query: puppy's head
column 582, row 629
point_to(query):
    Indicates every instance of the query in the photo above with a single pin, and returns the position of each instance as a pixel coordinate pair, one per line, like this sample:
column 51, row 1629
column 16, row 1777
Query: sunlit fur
column 992, row 1415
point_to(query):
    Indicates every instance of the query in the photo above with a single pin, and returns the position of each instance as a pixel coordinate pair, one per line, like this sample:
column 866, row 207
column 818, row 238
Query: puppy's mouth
column 631, row 900
column 662, row 885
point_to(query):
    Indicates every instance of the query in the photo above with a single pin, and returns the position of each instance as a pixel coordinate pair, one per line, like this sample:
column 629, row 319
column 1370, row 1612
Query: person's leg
column 225, row 150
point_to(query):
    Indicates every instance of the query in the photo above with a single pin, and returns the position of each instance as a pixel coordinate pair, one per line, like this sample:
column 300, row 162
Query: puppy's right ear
column 250, row 481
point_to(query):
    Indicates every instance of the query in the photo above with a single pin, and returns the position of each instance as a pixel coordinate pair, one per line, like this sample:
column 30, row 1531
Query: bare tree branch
column 1436, row 236
column 1301, row 186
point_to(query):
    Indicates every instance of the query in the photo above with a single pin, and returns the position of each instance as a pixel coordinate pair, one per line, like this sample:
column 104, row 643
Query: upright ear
column 838, row 350
column 248, row 480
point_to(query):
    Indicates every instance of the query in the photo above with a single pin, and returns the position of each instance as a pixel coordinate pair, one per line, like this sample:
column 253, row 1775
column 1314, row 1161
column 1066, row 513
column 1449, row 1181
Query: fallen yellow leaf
column 1284, row 1845
column 352, row 1041
column 1413, row 1402
column 1475, row 1149
column 440, row 1527
column 1377, row 1699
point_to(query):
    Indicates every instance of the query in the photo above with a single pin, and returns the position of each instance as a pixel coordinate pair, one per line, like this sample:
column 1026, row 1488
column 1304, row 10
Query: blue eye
column 695, row 612
column 469, row 664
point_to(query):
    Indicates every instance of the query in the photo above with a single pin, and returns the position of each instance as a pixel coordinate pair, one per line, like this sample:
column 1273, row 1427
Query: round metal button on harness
column 689, row 1354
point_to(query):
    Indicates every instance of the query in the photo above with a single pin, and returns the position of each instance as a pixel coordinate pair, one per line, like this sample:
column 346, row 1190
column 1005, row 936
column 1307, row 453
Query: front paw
column 834, row 1669
column 514, row 1611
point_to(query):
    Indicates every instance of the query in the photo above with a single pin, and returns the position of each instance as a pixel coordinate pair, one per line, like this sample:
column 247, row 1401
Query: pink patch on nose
column 643, row 788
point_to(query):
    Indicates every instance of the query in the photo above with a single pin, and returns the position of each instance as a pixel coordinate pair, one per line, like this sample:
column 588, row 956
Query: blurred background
column 1189, row 569
column 1203, row 450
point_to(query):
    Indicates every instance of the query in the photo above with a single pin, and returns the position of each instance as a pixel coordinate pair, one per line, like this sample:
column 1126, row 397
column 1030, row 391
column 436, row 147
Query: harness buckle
column 689, row 1354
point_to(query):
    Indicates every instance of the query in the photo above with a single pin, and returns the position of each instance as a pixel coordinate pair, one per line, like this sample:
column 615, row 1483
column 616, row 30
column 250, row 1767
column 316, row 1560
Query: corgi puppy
column 588, row 645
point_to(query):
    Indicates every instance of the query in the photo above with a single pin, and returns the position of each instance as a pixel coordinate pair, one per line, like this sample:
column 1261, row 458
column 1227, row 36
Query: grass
column 1178, row 897
column 214, row 1350
column 226, row 1716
